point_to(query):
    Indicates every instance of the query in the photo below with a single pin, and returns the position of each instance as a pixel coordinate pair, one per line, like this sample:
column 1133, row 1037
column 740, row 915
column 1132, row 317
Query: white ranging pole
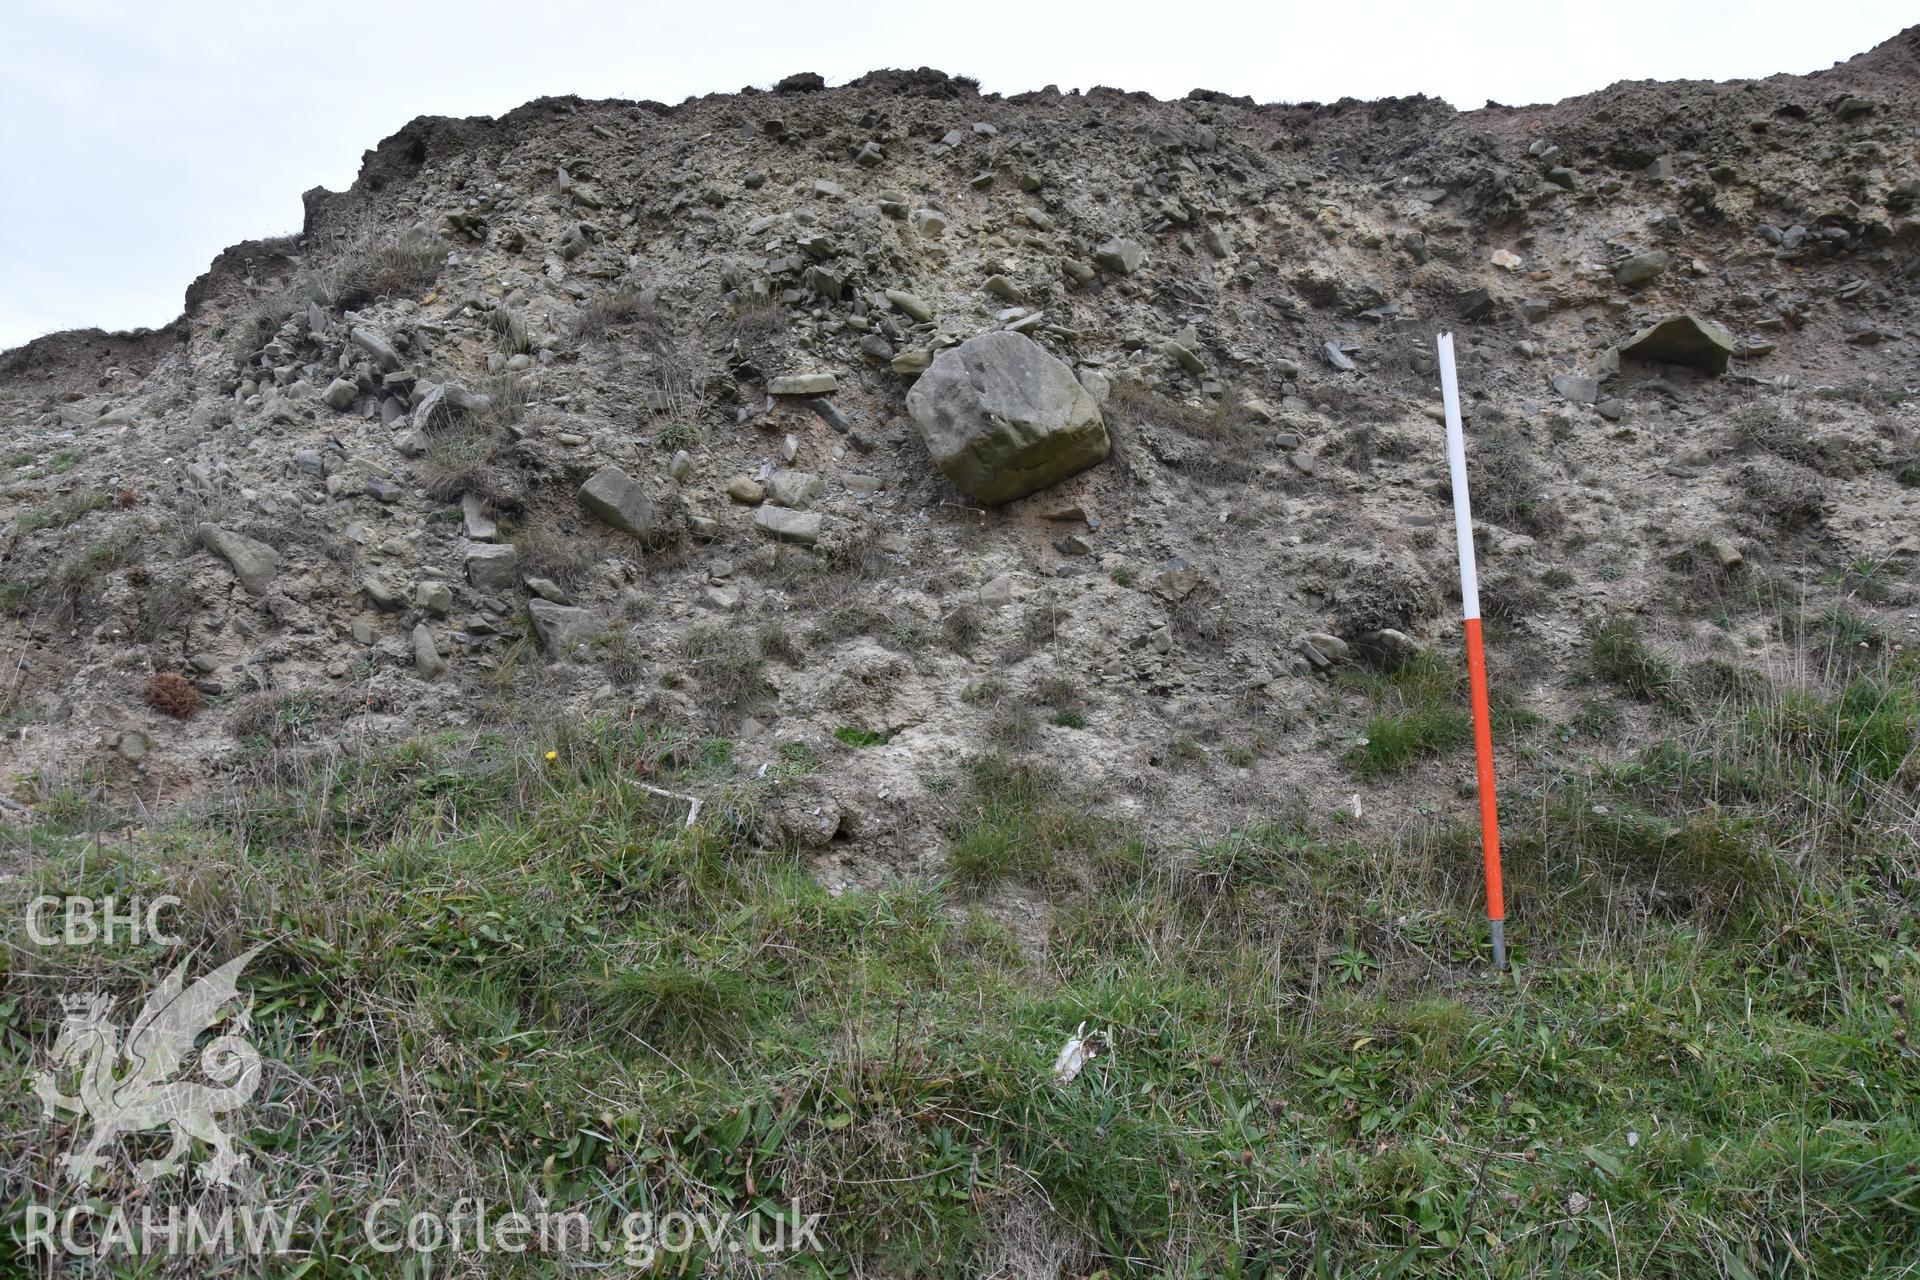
column 1476, row 653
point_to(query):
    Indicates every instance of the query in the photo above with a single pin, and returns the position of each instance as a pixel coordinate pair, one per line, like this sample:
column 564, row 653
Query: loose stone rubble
column 919, row 407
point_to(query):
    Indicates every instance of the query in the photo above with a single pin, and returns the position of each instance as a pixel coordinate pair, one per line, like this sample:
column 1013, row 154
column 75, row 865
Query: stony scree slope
column 603, row 407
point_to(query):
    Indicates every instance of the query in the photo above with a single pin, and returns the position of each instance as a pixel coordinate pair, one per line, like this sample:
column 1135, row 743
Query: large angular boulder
column 616, row 498
column 1003, row 419
column 1682, row 339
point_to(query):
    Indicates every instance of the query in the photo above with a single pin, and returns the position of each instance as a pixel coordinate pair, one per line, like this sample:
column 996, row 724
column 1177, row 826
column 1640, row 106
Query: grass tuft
column 1423, row 711
column 1621, row 656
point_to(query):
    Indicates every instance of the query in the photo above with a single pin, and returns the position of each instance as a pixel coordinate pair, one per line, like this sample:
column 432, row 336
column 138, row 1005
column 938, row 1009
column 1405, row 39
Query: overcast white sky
column 137, row 140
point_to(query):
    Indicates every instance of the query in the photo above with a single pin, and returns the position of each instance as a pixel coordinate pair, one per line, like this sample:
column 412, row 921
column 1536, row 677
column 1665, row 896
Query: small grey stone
column 377, row 347
column 794, row 489
column 1120, row 255
column 910, row 305
column 803, row 384
column 1323, row 650
column 493, row 566
column 1001, row 287
column 788, row 526
column 548, row 589
column 563, row 628
column 1577, row 387
column 616, row 498
column 427, row 661
column 254, row 563
column 474, row 521
column 1183, row 356
column 1641, row 268
column 340, row 394
column 435, row 597
column 1682, row 339
column 1388, row 649
column 823, row 409
column 381, row 593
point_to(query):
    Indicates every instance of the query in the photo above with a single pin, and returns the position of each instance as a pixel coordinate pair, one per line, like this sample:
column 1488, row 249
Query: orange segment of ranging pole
column 1476, row 653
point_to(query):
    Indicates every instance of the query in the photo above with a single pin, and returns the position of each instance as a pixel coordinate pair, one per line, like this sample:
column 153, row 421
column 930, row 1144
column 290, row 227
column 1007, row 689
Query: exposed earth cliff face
column 603, row 407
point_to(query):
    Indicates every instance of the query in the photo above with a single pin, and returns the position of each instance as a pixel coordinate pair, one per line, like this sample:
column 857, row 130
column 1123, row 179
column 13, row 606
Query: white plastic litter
column 1079, row 1050
column 693, row 803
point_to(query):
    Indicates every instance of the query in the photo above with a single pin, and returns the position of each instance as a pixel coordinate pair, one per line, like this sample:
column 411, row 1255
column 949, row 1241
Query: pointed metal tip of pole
column 1499, row 944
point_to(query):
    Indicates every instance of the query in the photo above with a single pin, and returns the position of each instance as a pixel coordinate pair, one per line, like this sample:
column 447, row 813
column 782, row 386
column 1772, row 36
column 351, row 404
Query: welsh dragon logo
column 132, row 1087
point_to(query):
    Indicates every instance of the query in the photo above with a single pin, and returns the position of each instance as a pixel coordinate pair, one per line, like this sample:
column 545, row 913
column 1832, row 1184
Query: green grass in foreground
column 490, row 974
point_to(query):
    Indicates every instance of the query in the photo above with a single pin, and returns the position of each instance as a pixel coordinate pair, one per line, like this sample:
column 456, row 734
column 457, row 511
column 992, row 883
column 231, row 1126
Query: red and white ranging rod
column 1476, row 654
